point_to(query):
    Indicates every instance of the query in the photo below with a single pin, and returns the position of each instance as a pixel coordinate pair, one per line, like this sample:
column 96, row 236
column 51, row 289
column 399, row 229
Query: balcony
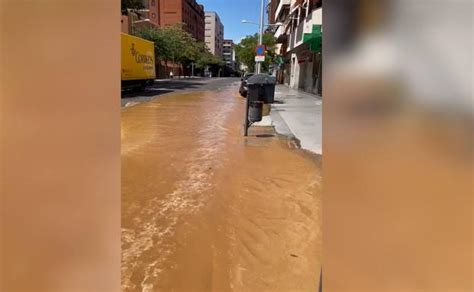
column 281, row 7
column 280, row 30
column 316, row 17
column 306, row 26
column 295, row 4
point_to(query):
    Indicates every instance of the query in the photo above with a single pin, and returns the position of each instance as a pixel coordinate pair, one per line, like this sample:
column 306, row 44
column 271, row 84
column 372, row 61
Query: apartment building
column 299, row 42
column 214, row 33
column 169, row 12
column 133, row 21
column 229, row 54
column 271, row 9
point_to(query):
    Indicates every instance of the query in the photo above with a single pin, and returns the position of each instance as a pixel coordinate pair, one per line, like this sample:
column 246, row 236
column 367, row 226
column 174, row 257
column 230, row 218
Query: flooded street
column 205, row 209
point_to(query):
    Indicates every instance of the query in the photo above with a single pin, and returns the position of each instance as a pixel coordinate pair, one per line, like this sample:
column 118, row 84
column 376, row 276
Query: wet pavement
column 205, row 209
column 167, row 86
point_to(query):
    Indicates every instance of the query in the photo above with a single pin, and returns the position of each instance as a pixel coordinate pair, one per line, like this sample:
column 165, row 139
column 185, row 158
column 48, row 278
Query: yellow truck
column 138, row 62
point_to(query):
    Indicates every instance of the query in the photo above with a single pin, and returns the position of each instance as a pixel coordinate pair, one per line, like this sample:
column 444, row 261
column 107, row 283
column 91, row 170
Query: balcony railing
column 305, row 26
column 280, row 7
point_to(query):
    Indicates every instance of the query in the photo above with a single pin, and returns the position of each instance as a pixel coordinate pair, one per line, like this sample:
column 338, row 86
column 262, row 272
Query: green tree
column 206, row 58
column 246, row 51
column 203, row 57
column 190, row 49
column 173, row 44
column 158, row 37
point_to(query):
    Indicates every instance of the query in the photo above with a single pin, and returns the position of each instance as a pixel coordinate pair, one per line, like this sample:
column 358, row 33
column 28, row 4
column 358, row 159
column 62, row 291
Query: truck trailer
column 138, row 62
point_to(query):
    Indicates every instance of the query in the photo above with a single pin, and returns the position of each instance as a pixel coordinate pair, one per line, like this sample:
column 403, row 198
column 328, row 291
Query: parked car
column 243, row 84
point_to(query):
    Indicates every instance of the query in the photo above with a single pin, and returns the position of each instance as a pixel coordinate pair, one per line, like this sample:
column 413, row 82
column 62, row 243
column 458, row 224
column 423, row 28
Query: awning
column 301, row 49
column 314, row 39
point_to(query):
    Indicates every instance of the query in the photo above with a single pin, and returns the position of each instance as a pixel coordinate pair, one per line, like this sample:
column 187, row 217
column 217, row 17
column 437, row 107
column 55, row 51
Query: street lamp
column 260, row 39
column 138, row 21
column 138, row 14
column 269, row 25
column 142, row 20
column 249, row 22
column 260, row 36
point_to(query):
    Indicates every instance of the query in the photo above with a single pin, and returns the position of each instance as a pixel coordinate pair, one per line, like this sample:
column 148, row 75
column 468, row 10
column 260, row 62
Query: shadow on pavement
column 162, row 87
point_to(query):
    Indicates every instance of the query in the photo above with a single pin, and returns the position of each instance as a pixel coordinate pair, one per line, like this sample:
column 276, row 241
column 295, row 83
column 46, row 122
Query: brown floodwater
column 206, row 209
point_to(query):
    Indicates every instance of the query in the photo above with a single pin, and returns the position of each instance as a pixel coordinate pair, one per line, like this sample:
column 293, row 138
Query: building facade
column 169, row 12
column 214, row 34
column 134, row 21
column 229, row 54
column 271, row 9
column 299, row 42
column 125, row 24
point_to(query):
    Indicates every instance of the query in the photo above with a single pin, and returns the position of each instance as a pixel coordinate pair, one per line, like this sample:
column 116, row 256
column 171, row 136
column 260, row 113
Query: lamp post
column 138, row 21
column 249, row 22
column 260, row 36
column 137, row 13
column 259, row 64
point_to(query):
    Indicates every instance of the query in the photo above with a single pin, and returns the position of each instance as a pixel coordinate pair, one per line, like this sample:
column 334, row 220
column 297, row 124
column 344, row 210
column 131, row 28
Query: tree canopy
column 173, row 44
column 246, row 50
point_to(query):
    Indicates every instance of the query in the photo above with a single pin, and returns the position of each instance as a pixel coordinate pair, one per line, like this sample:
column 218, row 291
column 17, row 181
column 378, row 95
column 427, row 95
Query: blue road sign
column 260, row 50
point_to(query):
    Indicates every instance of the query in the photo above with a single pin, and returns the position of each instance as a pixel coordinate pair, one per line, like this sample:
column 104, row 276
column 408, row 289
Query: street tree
column 173, row 44
column 246, row 50
column 158, row 37
column 206, row 58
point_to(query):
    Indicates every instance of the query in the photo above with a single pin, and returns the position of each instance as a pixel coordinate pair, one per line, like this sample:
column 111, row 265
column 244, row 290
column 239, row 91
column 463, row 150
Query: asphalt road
column 161, row 87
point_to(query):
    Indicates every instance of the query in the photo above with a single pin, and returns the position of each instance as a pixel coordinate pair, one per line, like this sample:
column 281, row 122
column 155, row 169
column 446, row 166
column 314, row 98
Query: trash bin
column 261, row 87
column 255, row 111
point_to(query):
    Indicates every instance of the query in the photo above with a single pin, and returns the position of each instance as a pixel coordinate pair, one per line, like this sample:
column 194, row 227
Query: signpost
column 260, row 50
column 260, row 56
column 259, row 59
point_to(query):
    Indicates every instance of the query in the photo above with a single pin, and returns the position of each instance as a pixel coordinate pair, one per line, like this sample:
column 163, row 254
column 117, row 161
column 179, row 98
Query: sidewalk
column 298, row 114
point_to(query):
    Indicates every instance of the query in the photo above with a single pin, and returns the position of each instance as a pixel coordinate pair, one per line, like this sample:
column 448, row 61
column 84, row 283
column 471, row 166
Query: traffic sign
column 260, row 50
column 259, row 59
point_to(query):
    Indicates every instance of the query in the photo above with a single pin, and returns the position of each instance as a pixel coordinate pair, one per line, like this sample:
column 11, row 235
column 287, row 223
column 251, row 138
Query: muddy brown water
column 205, row 209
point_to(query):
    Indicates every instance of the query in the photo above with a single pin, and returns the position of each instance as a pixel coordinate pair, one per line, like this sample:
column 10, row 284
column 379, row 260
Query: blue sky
column 232, row 12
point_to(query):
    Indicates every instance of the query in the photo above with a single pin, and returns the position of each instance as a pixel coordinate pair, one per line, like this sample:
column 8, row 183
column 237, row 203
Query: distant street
column 205, row 209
